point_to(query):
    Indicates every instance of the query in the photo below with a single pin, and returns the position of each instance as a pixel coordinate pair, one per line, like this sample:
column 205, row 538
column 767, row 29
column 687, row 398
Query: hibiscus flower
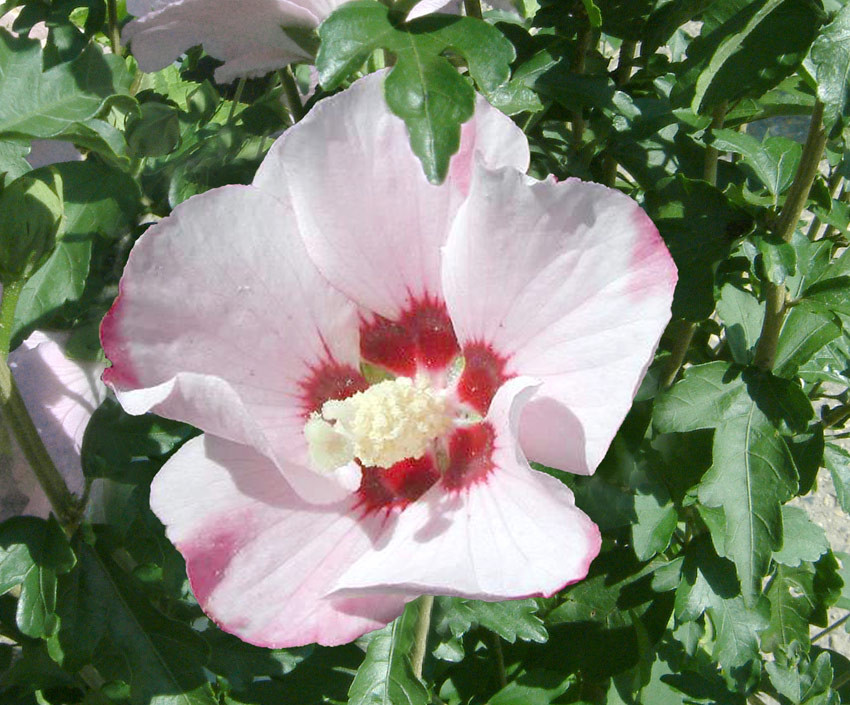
column 251, row 37
column 375, row 360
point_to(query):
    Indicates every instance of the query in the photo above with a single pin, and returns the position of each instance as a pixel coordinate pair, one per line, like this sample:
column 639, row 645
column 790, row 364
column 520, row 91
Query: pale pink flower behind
column 514, row 318
column 248, row 35
column 61, row 395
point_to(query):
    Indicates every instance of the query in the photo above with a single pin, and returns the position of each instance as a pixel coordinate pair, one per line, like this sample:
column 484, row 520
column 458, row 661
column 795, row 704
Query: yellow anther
column 390, row 421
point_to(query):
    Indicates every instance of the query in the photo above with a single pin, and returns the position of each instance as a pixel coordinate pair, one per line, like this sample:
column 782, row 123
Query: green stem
column 789, row 217
column 473, row 8
column 112, row 23
column 236, row 98
column 583, row 42
column 712, row 154
column 8, row 303
column 500, row 659
column 13, row 412
column 423, row 626
column 292, row 94
column 686, row 331
column 621, row 75
column 832, row 627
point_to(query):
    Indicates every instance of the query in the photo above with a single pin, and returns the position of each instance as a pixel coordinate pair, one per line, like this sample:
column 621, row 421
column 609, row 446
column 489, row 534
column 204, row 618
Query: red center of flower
column 423, row 335
column 396, row 486
column 483, row 374
column 373, row 425
column 330, row 381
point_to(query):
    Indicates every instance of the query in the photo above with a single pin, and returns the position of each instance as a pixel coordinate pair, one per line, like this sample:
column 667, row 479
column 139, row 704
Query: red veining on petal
column 329, row 381
column 483, row 373
column 470, row 455
column 121, row 374
column 398, row 485
column 422, row 335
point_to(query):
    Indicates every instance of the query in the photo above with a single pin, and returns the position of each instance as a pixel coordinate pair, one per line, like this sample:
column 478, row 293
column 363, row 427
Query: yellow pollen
column 391, row 421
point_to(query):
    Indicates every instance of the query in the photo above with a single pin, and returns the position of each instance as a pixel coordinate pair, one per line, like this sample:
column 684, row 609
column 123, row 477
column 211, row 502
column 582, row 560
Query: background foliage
column 709, row 581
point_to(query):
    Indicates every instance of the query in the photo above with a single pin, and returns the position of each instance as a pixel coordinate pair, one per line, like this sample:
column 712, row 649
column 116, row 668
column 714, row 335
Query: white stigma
column 391, row 421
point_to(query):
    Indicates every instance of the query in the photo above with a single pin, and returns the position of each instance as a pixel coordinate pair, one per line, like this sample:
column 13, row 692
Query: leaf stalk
column 775, row 295
column 423, row 626
column 292, row 95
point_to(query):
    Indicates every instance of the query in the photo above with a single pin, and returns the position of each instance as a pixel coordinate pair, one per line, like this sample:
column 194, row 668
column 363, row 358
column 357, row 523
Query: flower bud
column 30, row 217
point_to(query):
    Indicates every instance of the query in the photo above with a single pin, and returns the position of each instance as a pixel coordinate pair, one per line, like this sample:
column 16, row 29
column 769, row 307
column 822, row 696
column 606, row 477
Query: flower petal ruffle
column 370, row 220
column 569, row 283
column 224, row 337
column 514, row 532
column 261, row 560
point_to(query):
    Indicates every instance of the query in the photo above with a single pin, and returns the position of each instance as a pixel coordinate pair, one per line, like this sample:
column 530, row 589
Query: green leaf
column 46, row 104
column 742, row 314
column 33, row 552
column 154, row 131
column 511, row 620
column 777, row 260
column 386, row 676
column 114, row 439
column 241, row 662
column 773, row 161
column 12, row 162
column 707, row 579
column 31, row 214
column 837, row 461
column 159, row 658
column 99, row 201
column 832, row 294
column 656, row 521
column 746, row 48
column 803, row 539
column 537, row 687
column 831, row 57
column 594, row 629
column 699, row 225
column 792, row 603
column 423, row 87
column 803, row 683
column 753, row 472
column 737, row 627
column 805, row 331
column 593, row 13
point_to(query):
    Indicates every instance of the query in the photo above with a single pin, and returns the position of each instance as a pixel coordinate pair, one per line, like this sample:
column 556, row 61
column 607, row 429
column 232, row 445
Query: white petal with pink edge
column 60, row 395
column 225, row 337
column 260, row 559
column 514, row 533
column 370, row 219
column 569, row 283
column 246, row 34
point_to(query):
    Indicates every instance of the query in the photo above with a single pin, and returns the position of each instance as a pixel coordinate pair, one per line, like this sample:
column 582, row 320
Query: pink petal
column 370, row 219
column 260, row 559
column 241, row 341
column 60, row 395
column 246, row 34
column 566, row 282
column 506, row 533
